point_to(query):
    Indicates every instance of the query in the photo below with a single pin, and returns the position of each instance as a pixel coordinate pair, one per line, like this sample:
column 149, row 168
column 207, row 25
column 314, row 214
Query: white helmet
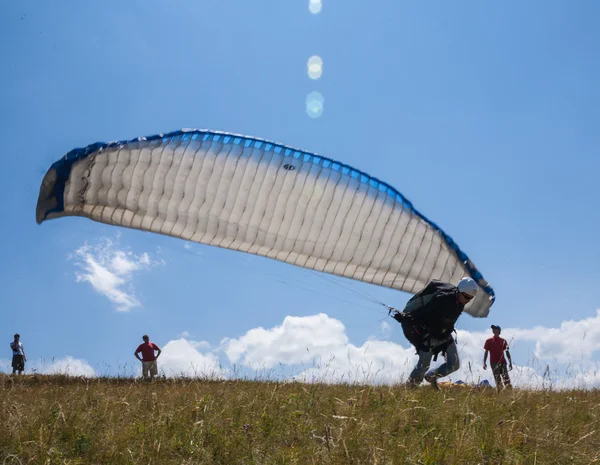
column 468, row 286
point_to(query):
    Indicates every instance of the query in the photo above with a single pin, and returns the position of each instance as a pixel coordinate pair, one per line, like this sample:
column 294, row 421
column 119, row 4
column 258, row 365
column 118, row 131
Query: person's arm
column 159, row 351
column 508, row 357
column 137, row 351
column 401, row 316
column 485, row 355
column 23, row 350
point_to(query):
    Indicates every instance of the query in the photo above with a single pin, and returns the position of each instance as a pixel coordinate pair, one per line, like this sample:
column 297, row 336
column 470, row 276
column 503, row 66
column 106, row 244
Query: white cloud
column 317, row 349
column 374, row 362
column 581, row 378
column 200, row 345
column 68, row 366
column 297, row 340
column 573, row 341
column 562, row 356
column 64, row 366
column 385, row 328
column 110, row 271
column 192, row 248
column 319, row 341
column 184, row 358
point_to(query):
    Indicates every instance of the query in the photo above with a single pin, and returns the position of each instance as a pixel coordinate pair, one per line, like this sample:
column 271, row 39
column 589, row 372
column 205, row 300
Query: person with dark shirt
column 148, row 359
column 428, row 321
column 18, row 355
column 496, row 346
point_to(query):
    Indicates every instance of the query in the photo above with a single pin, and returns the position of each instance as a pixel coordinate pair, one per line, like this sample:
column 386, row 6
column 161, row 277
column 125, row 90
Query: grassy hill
column 65, row 420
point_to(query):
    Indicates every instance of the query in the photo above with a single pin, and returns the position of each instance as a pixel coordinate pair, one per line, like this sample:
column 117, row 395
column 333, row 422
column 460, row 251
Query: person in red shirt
column 496, row 346
column 148, row 359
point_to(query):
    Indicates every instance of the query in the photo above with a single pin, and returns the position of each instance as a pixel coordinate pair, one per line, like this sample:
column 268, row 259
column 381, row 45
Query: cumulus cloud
column 574, row 340
column 385, row 332
column 562, row 357
column 109, row 270
column 376, row 362
column 68, row 365
column 319, row 342
column 318, row 349
column 182, row 357
column 297, row 340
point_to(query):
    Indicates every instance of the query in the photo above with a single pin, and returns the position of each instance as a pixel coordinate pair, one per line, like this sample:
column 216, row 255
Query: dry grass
column 64, row 420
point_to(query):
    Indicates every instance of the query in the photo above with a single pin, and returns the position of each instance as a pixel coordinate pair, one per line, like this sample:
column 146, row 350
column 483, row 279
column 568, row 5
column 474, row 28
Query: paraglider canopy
column 263, row 198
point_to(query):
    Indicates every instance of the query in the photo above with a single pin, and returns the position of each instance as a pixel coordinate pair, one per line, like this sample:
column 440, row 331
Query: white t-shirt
column 17, row 348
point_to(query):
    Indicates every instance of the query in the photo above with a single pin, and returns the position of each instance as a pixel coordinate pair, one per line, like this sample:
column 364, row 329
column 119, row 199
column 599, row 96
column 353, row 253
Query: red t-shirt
column 147, row 351
column 496, row 345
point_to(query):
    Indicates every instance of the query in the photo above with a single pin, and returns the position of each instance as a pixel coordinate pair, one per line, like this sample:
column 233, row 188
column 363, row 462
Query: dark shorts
column 500, row 374
column 18, row 362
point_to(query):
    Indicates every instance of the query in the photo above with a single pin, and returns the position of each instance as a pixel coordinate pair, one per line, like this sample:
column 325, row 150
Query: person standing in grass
column 148, row 358
column 18, row 355
column 496, row 346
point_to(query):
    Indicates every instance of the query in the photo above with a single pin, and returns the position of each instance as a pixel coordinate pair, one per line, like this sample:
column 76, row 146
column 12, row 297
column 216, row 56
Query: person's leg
column 505, row 377
column 451, row 364
column 145, row 369
column 153, row 370
column 497, row 371
column 416, row 376
column 18, row 364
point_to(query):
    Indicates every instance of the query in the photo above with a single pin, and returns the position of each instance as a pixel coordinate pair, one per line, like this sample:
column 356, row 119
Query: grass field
column 69, row 420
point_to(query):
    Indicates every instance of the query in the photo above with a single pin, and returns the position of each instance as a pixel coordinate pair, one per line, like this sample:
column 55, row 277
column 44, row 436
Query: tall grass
column 69, row 420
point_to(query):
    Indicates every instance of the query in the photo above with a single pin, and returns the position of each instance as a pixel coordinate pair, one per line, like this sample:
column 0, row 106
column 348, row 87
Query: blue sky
column 484, row 115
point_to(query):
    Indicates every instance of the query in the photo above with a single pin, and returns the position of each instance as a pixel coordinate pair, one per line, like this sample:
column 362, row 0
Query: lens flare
column 314, row 6
column 314, row 104
column 315, row 67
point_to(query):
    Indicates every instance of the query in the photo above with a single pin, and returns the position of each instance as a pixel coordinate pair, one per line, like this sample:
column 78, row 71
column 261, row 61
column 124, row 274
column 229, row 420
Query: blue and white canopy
column 262, row 198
